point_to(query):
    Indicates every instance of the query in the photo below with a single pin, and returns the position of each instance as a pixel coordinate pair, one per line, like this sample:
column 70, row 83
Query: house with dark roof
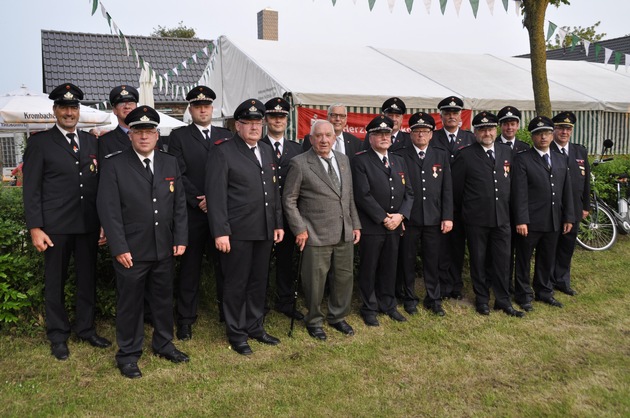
column 578, row 53
column 98, row 62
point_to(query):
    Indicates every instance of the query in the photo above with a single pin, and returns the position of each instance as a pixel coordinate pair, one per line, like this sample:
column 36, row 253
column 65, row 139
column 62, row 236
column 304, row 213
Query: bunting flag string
column 474, row 4
column 575, row 39
column 162, row 80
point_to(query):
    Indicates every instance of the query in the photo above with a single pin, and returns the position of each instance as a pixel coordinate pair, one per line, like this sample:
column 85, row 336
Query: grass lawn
column 573, row 361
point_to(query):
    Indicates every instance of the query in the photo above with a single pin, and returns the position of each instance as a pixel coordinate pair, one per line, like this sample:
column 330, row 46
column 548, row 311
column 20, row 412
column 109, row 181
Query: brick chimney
column 268, row 25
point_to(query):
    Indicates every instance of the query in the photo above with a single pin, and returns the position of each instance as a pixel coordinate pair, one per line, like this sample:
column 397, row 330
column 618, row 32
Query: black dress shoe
column 370, row 321
column 175, row 356
column 343, row 327
column 184, row 332
column 396, row 316
column 436, row 308
column 566, row 290
column 527, row 306
column 483, row 309
column 130, row 370
column 509, row 310
column 317, row 332
column 96, row 341
column 411, row 310
column 267, row 339
column 292, row 314
column 242, row 348
column 60, row 350
column 457, row 295
column 550, row 301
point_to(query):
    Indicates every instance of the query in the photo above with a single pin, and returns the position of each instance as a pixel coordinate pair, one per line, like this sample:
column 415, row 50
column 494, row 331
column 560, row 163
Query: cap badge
column 452, row 103
column 484, row 120
column 508, row 114
column 540, row 124
column 278, row 108
column 201, row 96
column 383, row 125
column 253, row 109
column 420, row 120
column 567, row 120
column 124, row 92
column 144, row 118
column 68, row 96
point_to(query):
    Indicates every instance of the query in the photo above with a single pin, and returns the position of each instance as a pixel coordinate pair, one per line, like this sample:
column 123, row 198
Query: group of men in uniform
column 236, row 197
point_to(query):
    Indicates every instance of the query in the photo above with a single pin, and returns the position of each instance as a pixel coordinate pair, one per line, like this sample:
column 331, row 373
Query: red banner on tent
column 358, row 121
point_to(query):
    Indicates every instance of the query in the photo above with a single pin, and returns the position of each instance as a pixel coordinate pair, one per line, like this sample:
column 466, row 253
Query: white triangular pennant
column 115, row 28
column 458, row 4
column 126, row 42
column 176, row 91
column 562, row 34
column 103, row 11
column 185, row 63
column 607, row 55
column 587, row 45
column 427, row 4
column 391, row 4
column 491, row 6
column 205, row 50
column 194, row 57
column 517, row 6
column 175, row 71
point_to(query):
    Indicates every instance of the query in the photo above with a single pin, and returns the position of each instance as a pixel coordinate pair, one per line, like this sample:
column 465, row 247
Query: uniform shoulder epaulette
column 293, row 141
column 113, row 154
column 579, row 145
column 502, row 143
column 179, row 127
column 439, row 147
column 221, row 141
column 361, row 152
column 522, row 151
column 164, row 152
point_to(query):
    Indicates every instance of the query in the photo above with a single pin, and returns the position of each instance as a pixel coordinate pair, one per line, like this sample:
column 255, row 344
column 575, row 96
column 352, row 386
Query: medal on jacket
column 581, row 165
column 94, row 165
column 436, row 168
column 402, row 177
column 171, row 187
column 506, row 168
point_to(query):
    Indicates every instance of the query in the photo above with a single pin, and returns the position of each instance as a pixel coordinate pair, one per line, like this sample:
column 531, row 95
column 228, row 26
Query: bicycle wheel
column 598, row 231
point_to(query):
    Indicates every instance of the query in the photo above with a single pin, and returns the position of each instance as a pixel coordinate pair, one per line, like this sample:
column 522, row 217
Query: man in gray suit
column 319, row 206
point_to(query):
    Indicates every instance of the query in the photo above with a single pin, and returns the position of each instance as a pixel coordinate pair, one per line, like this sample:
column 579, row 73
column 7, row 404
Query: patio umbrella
column 24, row 110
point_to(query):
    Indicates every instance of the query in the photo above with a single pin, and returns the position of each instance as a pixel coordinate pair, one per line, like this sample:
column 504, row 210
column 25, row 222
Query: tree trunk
column 535, row 23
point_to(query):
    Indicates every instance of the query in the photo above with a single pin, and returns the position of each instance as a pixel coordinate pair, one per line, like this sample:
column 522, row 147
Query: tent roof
column 367, row 76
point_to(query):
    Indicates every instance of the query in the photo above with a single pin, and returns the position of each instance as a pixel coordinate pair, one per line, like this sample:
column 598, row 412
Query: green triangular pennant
column 598, row 49
column 94, row 6
column 550, row 30
column 371, row 4
column 505, row 4
column 617, row 59
column 443, row 5
column 475, row 7
column 334, row 2
column 574, row 41
column 409, row 4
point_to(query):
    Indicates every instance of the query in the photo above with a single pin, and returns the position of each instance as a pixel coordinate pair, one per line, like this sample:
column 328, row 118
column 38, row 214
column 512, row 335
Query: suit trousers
column 452, row 258
column 489, row 249
column 246, row 271
column 285, row 276
column 131, row 284
column 56, row 260
column 564, row 254
column 316, row 261
column 199, row 243
column 377, row 273
column 430, row 243
column 545, row 245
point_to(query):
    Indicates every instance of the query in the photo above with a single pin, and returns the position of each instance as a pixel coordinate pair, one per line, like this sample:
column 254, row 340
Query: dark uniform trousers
column 516, row 147
column 191, row 149
column 144, row 215
column 244, row 204
column 378, row 191
column 541, row 198
column 454, row 244
column 284, row 250
column 433, row 202
column 60, row 198
column 579, row 170
column 481, row 189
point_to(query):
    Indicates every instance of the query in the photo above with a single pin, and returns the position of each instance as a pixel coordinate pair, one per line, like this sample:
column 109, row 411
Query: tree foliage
column 589, row 33
column 180, row 31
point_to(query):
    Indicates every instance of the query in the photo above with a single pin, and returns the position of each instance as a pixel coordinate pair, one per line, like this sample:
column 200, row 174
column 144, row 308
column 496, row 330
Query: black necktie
column 490, row 154
column 206, row 133
column 255, row 156
column 393, row 138
column 563, row 151
column 385, row 162
column 147, row 166
column 333, row 174
column 510, row 143
column 421, row 155
column 73, row 143
column 278, row 152
column 452, row 137
column 547, row 161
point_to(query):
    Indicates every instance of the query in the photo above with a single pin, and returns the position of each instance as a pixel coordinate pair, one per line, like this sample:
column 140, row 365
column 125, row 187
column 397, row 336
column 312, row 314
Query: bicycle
column 598, row 231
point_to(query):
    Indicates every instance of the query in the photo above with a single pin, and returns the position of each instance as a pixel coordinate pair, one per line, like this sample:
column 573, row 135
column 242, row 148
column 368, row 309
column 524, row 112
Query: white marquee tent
column 314, row 76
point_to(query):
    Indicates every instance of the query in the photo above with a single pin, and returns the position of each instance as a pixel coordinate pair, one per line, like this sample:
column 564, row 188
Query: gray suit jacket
column 311, row 202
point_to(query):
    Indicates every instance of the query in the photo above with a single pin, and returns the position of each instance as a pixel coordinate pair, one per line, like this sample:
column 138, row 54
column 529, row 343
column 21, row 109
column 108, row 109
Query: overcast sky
column 300, row 21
